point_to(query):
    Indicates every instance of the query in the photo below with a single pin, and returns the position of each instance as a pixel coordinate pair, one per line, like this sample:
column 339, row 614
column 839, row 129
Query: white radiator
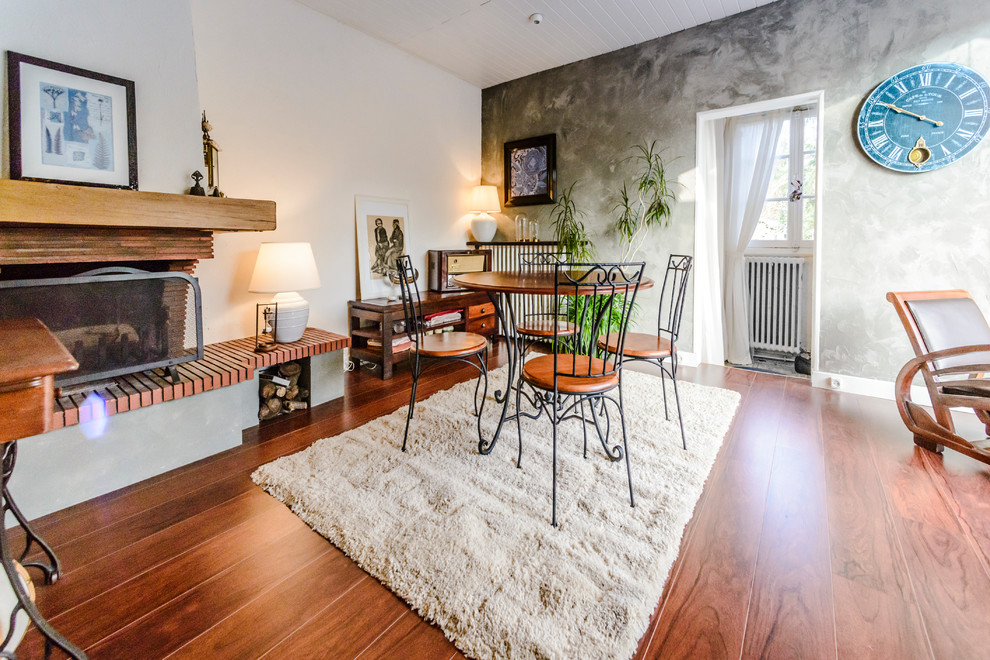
column 776, row 303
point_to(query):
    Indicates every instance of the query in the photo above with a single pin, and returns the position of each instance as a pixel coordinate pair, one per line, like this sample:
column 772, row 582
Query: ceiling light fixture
column 536, row 19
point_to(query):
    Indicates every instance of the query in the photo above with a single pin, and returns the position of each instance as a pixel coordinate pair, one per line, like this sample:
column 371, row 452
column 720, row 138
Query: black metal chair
column 595, row 297
column 440, row 347
column 540, row 326
column 660, row 349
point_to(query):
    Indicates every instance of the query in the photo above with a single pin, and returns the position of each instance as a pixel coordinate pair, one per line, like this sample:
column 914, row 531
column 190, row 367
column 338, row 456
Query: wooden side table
column 375, row 320
column 30, row 356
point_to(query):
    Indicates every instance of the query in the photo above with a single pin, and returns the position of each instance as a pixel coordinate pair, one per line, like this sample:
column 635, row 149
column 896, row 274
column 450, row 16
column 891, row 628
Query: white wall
column 147, row 41
column 310, row 113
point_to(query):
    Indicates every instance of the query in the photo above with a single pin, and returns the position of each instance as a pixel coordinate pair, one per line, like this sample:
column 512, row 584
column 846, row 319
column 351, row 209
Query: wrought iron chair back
column 597, row 298
column 539, row 260
column 673, row 294
column 412, row 306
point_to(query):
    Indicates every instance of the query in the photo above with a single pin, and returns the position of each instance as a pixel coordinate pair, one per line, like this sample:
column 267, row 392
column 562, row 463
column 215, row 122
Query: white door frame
column 707, row 279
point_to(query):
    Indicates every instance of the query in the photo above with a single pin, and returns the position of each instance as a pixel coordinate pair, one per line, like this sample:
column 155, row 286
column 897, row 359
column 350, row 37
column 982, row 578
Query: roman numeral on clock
column 901, row 87
column 880, row 140
column 895, row 153
column 978, row 112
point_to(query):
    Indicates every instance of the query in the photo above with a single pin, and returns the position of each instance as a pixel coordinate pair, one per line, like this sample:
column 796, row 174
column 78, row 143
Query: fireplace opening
column 114, row 320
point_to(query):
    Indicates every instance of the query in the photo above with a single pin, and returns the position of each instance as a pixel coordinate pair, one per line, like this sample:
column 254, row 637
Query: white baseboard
column 880, row 389
column 688, row 359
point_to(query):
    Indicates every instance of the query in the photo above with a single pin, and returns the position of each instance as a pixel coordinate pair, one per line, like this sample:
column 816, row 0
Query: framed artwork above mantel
column 531, row 171
column 70, row 125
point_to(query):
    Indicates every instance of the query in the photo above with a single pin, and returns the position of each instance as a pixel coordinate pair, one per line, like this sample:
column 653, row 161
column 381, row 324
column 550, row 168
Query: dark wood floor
column 822, row 532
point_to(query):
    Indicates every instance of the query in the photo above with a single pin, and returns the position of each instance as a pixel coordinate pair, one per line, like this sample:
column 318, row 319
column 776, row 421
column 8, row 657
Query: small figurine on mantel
column 211, row 157
column 197, row 189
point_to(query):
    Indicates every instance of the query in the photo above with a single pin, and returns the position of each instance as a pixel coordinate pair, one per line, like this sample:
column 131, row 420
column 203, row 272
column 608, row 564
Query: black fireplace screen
column 113, row 320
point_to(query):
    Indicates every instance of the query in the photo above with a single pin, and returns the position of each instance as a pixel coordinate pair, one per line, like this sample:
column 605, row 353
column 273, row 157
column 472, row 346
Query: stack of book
column 399, row 344
column 443, row 318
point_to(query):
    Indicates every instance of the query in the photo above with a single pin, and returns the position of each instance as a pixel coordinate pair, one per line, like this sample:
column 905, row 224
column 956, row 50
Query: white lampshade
column 284, row 269
column 484, row 199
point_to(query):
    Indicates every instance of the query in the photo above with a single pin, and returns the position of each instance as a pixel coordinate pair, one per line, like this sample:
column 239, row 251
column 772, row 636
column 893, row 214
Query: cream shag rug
column 466, row 540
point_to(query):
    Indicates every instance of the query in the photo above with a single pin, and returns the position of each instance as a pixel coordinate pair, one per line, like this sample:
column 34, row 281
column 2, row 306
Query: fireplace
column 115, row 320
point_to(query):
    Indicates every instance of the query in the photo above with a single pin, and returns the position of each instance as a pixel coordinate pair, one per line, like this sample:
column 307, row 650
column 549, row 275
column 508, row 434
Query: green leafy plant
column 568, row 229
column 573, row 242
column 647, row 204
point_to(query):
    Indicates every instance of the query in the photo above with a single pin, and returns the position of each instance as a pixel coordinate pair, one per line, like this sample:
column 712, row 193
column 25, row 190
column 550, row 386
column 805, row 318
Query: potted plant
column 568, row 230
column 646, row 205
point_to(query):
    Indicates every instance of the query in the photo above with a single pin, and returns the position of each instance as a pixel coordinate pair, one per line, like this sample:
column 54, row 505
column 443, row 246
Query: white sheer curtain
column 749, row 154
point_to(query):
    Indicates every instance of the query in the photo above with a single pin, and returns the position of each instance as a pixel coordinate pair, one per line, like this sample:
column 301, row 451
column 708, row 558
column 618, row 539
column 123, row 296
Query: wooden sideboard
column 375, row 319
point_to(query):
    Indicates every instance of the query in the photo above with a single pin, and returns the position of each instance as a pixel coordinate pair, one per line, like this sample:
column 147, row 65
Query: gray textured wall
column 881, row 230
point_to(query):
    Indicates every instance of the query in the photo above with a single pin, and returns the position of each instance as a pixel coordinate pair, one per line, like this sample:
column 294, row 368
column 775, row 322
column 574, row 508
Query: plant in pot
column 647, row 205
column 574, row 245
column 644, row 203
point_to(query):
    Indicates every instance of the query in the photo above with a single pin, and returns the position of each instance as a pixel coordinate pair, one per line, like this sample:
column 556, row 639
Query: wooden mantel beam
column 60, row 204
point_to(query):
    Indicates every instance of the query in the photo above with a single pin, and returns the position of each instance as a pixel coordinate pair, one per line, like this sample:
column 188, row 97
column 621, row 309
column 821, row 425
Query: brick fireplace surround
column 55, row 230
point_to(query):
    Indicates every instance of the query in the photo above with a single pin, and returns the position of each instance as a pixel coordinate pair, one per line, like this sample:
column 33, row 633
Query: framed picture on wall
column 70, row 125
column 531, row 171
column 382, row 236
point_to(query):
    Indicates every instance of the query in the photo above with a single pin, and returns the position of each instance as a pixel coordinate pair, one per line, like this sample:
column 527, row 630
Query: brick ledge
column 225, row 363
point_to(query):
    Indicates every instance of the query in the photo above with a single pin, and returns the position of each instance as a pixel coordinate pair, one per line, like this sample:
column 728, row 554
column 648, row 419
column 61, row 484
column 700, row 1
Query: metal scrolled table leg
column 506, row 319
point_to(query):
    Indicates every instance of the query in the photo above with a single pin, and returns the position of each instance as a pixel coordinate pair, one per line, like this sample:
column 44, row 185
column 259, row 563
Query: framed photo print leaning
column 531, row 171
column 382, row 236
column 70, row 125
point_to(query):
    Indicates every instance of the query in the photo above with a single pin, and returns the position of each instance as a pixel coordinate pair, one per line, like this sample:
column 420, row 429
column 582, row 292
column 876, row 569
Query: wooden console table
column 375, row 319
column 30, row 356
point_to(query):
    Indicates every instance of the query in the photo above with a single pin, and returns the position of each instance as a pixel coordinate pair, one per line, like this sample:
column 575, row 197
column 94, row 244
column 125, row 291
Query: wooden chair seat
column 451, row 344
column 970, row 387
column 539, row 373
column 544, row 327
column 638, row 345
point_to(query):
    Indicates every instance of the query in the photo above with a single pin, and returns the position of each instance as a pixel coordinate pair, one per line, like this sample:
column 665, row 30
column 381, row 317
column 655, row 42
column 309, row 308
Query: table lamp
column 285, row 269
column 484, row 200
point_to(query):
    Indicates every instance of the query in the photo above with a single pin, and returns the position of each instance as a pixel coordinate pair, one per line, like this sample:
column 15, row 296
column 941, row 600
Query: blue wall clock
column 925, row 117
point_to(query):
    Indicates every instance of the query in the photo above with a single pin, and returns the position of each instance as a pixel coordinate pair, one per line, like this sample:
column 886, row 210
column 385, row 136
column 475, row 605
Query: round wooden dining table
column 499, row 285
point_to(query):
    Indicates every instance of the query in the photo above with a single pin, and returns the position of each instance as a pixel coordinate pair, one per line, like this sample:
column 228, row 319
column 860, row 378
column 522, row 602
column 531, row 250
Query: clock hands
column 902, row 111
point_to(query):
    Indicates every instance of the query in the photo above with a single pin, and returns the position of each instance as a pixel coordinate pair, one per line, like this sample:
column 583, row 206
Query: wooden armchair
column 951, row 341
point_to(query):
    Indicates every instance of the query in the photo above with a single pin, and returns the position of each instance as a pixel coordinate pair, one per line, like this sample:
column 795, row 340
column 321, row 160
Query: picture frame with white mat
column 382, row 231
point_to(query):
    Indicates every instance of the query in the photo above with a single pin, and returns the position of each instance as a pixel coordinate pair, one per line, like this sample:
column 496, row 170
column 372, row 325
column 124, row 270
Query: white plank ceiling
column 487, row 42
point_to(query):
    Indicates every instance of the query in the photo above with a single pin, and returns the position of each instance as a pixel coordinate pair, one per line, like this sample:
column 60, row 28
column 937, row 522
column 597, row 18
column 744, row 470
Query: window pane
column 784, row 143
column 778, row 181
column 811, row 133
column 810, row 173
column 808, row 220
column 773, row 222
